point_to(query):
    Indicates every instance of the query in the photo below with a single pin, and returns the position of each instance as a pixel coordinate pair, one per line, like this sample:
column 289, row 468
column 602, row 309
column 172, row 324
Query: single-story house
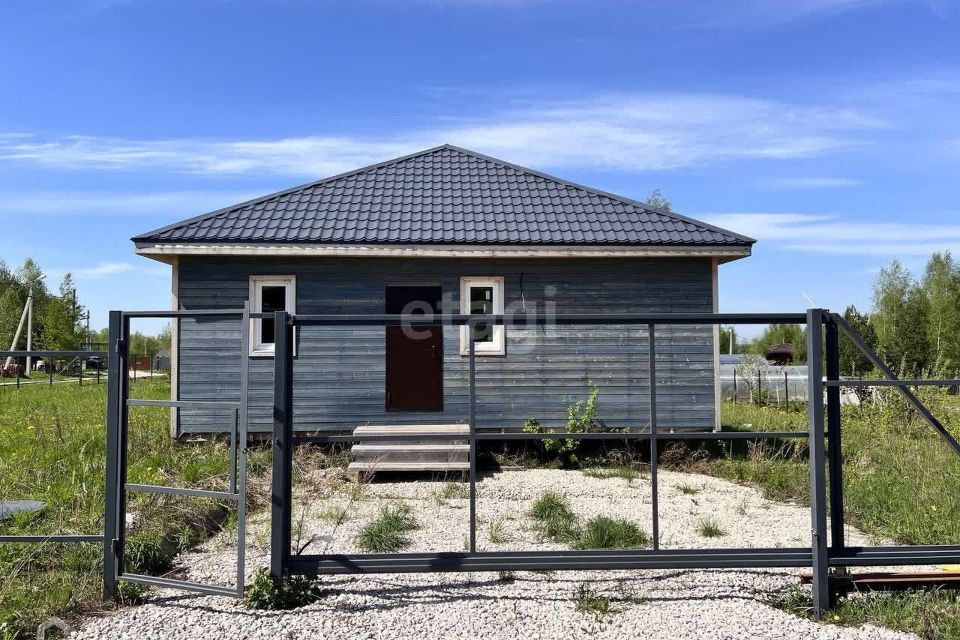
column 453, row 231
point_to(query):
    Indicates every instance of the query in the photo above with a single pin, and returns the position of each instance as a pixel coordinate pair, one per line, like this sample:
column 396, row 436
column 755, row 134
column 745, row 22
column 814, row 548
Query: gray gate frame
column 826, row 554
column 118, row 403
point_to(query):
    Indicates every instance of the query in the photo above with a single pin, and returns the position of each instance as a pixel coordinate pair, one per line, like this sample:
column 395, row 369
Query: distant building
column 780, row 354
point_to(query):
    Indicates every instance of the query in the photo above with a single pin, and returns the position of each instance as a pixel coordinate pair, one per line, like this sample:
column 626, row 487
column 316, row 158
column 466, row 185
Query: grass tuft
column 626, row 472
column 688, row 489
column 602, row 532
column 709, row 528
column 496, row 531
column 587, row 600
column 388, row 532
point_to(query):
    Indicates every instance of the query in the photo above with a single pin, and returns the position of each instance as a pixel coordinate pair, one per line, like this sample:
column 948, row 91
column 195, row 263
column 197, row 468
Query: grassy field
column 901, row 481
column 52, row 442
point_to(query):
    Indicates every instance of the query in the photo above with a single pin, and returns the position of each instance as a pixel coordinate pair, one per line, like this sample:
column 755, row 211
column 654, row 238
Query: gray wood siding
column 339, row 372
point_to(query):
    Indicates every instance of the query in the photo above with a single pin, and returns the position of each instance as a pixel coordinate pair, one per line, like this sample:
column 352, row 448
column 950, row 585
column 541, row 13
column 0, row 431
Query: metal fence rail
column 827, row 549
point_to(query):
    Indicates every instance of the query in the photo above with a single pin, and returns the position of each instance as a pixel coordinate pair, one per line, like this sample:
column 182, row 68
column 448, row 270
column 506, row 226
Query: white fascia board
column 164, row 251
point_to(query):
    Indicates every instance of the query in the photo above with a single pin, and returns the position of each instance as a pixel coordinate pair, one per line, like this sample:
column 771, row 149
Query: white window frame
column 497, row 346
column 256, row 305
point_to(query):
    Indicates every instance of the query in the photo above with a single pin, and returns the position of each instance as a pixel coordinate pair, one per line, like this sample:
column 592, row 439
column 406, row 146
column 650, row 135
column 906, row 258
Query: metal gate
column 117, row 487
column 826, row 555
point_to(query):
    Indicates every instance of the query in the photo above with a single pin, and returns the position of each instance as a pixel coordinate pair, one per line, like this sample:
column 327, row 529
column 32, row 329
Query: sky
column 829, row 130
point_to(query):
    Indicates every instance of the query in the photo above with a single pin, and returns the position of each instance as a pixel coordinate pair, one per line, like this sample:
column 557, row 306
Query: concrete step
column 409, row 466
column 405, row 447
column 411, row 429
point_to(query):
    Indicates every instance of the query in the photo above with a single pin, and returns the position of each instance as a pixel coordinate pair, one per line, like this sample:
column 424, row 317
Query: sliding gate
column 826, row 554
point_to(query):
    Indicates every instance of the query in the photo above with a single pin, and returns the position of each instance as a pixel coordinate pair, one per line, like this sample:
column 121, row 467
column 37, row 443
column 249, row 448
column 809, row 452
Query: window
column 482, row 296
column 269, row 294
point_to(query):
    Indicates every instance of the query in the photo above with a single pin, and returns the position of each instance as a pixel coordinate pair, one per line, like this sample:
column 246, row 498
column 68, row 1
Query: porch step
column 421, row 454
column 409, row 466
column 409, row 448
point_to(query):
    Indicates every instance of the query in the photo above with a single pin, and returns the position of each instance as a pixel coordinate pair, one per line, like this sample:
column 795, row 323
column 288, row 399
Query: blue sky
column 827, row 129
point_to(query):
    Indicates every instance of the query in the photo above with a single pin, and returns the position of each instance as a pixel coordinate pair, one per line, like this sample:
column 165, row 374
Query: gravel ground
column 674, row 604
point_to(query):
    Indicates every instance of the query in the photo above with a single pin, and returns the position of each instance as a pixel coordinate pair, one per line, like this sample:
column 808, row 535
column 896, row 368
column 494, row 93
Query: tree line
column 914, row 323
column 59, row 321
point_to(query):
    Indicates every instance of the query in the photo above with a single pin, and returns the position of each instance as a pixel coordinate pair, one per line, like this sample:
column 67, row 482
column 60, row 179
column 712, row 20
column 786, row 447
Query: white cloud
column 104, row 269
column 831, row 234
column 54, row 202
column 624, row 132
column 808, row 183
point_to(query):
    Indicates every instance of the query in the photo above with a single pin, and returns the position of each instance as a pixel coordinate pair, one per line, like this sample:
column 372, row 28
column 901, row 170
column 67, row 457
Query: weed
column 587, row 600
column 709, row 528
column 451, row 491
column 497, row 532
column 334, row 514
column 388, row 531
column 688, row 489
column 555, row 519
column 270, row 593
column 602, row 532
column 506, row 576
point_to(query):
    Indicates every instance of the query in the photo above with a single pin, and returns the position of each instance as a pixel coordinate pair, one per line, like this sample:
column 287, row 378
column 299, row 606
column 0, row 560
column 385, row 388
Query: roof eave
column 164, row 251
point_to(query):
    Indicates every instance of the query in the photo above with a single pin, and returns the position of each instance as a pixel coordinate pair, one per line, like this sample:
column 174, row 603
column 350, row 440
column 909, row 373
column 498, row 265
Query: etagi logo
column 53, row 628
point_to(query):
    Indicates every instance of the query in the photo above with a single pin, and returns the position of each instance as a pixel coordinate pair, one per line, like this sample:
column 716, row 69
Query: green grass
column 52, row 449
column 559, row 523
column 602, row 532
column 626, row 472
column 929, row 615
column 688, row 489
column 388, row 532
column 900, row 482
column 709, row 528
column 497, row 531
column 587, row 600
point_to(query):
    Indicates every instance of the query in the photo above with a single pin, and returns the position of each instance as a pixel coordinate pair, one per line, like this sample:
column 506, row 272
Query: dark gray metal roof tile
column 445, row 195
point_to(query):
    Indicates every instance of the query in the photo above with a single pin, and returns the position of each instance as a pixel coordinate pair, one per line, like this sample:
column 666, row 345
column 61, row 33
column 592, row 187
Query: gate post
column 111, row 519
column 818, row 497
column 282, row 481
column 834, row 449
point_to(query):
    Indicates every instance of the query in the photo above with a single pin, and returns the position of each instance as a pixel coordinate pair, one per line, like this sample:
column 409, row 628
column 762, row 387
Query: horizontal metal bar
column 550, row 560
column 904, row 555
column 169, row 583
column 183, row 313
column 180, row 491
column 53, row 538
column 892, row 383
column 632, row 435
column 545, row 319
column 52, row 354
column 200, row 404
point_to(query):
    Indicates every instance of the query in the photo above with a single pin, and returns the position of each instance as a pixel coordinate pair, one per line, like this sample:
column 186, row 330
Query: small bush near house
column 388, row 532
column 269, row 593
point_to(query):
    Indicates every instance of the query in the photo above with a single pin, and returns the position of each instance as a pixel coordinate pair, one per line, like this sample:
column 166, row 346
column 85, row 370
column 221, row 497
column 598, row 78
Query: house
column 453, row 231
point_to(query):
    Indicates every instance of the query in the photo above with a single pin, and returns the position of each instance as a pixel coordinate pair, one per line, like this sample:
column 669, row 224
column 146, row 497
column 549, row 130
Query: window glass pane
column 273, row 297
column 481, row 302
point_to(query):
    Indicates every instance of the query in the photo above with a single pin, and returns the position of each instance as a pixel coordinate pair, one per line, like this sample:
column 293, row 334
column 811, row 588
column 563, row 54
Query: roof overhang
column 165, row 252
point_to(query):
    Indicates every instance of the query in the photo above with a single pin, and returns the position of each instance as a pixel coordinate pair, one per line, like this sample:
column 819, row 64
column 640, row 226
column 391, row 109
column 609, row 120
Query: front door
column 414, row 354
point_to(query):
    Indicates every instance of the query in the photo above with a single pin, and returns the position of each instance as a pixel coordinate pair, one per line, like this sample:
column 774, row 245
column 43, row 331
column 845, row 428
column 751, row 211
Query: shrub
column 270, row 593
column 581, row 417
column 388, row 531
column 602, row 532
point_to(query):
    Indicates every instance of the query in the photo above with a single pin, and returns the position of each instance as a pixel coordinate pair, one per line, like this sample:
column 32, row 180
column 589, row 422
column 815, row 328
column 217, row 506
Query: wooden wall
column 339, row 372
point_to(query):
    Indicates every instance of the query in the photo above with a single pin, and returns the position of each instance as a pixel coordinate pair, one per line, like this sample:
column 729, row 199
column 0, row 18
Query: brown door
column 414, row 354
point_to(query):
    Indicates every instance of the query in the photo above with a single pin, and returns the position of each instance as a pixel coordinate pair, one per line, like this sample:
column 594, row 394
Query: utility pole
column 29, row 329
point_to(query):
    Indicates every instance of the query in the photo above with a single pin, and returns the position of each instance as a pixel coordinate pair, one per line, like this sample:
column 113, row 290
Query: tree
column 657, row 201
column 728, row 335
column 941, row 284
column 853, row 362
column 778, row 334
column 900, row 318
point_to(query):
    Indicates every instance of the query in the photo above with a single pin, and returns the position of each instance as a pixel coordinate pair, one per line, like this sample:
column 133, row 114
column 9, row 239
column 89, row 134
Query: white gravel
column 668, row 604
